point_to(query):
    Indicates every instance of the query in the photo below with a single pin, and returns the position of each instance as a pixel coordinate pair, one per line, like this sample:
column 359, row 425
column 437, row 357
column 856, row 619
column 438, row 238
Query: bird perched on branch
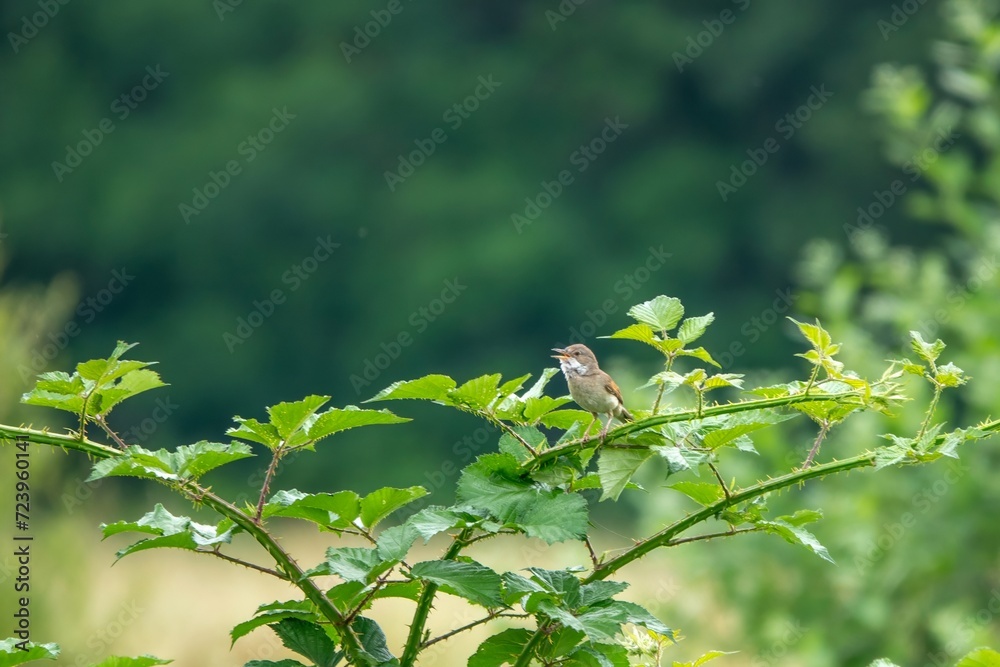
column 591, row 388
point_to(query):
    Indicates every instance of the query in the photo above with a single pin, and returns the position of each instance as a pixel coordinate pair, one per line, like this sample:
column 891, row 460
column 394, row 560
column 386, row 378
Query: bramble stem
column 286, row 564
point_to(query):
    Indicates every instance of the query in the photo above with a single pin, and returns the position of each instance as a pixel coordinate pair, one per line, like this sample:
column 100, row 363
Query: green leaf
column 372, row 639
column 272, row 613
column 361, row 564
column 141, row 661
column 950, row 375
column 500, row 649
column 478, row 393
column 308, row 639
column 470, row 580
column 599, row 655
column 538, row 388
column 702, row 493
column 330, row 511
column 599, row 591
column 711, row 655
column 135, row 462
column 640, row 332
column 534, row 408
column 377, row 505
column 929, row 352
column 796, row 535
column 662, row 313
column 336, row 420
column 511, row 445
column 699, row 353
column 11, row 654
column 680, row 458
column 290, row 417
column 193, row 461
column 980, row 657
column 271, row 663
column 433, row 520
column 615, row 468
column 802, row 517
column 255, row 431
column 491, row 484
column 692, row 328
column 511, row 386
column 393, row 543
column 170, row 531
column 817, row 336
column 882, row 662
column 429, row 387
column 638, row 615
column 565, row 584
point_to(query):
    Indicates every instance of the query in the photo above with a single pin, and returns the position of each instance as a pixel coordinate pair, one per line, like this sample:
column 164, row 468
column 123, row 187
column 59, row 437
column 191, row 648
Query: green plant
column 531, row 486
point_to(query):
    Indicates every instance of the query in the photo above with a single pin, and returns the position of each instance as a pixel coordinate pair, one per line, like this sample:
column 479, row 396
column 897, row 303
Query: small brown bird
column 591, row 388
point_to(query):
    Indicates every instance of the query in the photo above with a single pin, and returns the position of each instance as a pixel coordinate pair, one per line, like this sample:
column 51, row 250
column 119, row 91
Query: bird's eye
column 577, row 353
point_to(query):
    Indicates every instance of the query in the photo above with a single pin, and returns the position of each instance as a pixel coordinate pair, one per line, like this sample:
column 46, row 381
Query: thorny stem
column 930, row 409
column 111, row 434
column 356, row 653
column 252, row 566
column 468, row 626
column 266, row 486
column 820, row 437
column 722, row 482
column 593, row 555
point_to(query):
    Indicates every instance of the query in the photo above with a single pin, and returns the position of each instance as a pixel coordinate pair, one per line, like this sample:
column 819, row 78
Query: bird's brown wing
column 613, row 389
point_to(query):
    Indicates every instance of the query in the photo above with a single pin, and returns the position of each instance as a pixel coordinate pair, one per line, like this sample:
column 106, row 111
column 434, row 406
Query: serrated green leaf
column 478, row 393
column 534, row 408
column 514, row 385
column 193, row 461
column 723, row 380
column 680, row 458
column 393, row 543
column 429, row 387
column 379, row 504
column 565, row 419
column 291, row 417
column 255, row 431
column 307, row 639
column 135, row 462
column 170, row 531
column 599, row 591
column 599, row 655
column 474, row 582
column 500, row 649
column 272, row 613
column 490, row 484
column 702, row 493
column 692, row 328
column 563, row 583
column 882, row 662
column 929, row 352
column 950, row 375
column 336, row 420
column 615, row 468
column 888, row 456
column 128, row 385
column 980, row 657
column 430, row 521
column 511, row 445
column 802, row 517
column 141, row 661
column 639, row 615
column 699, row 353
column 817, row 336
column 796, row 535
column 11, row 654
column 538, row 388
column 711, row 655
column 361, row 564
column 372, row 639
column 407, row 590
column 662, row 313
column 330, row 511
column 641, row 332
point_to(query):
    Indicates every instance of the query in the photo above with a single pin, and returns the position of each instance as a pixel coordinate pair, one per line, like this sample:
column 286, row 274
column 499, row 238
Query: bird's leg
column 607, row 424
column 586, row 431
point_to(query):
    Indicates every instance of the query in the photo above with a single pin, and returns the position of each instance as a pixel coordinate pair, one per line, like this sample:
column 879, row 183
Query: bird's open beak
column 562, row 354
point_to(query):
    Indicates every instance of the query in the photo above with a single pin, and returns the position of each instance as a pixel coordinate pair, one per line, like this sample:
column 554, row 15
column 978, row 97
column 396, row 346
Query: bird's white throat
column 571, row 366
